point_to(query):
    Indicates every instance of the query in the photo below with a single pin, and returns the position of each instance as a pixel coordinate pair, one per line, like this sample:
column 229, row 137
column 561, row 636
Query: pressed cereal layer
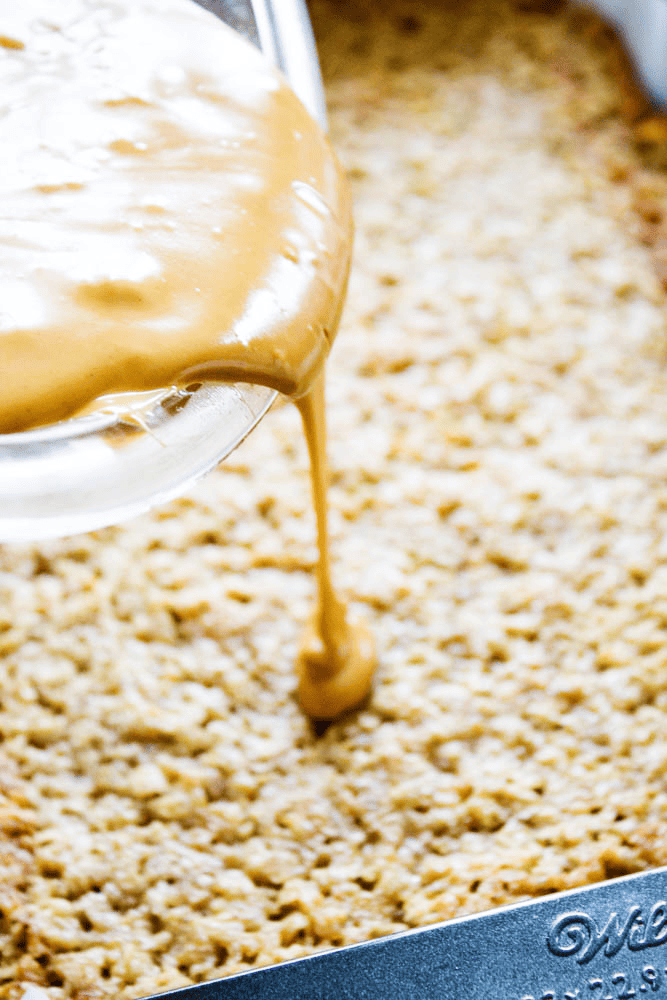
column 498, row 440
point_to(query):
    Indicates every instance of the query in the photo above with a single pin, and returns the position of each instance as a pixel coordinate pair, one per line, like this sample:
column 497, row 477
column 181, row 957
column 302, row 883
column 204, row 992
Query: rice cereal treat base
column 498, row 420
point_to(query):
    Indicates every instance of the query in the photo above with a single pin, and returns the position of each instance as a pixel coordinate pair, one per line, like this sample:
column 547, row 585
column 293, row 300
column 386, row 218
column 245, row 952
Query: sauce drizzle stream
column 169, row 213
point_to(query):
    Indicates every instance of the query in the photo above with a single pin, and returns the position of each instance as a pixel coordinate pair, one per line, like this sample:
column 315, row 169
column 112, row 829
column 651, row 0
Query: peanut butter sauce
column 337, row 656
column 169, row 213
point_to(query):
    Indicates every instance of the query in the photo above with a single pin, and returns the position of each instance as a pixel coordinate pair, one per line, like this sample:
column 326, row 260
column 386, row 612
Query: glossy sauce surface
column 168, row 210
column 169, row 213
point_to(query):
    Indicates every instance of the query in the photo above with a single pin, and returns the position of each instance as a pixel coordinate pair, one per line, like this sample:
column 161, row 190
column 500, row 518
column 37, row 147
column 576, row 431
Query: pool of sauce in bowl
column 170, row 213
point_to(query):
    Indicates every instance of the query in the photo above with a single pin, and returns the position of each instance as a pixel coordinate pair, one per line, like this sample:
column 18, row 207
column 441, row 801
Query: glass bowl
column 104, row 467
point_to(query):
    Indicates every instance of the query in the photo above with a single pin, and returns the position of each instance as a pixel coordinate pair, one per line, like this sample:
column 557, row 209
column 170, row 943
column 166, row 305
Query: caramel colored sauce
column 337, row 657
column 169, row 213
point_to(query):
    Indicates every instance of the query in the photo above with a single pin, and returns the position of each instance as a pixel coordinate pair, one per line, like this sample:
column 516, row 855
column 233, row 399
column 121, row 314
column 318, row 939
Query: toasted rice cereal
column 498, row 441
